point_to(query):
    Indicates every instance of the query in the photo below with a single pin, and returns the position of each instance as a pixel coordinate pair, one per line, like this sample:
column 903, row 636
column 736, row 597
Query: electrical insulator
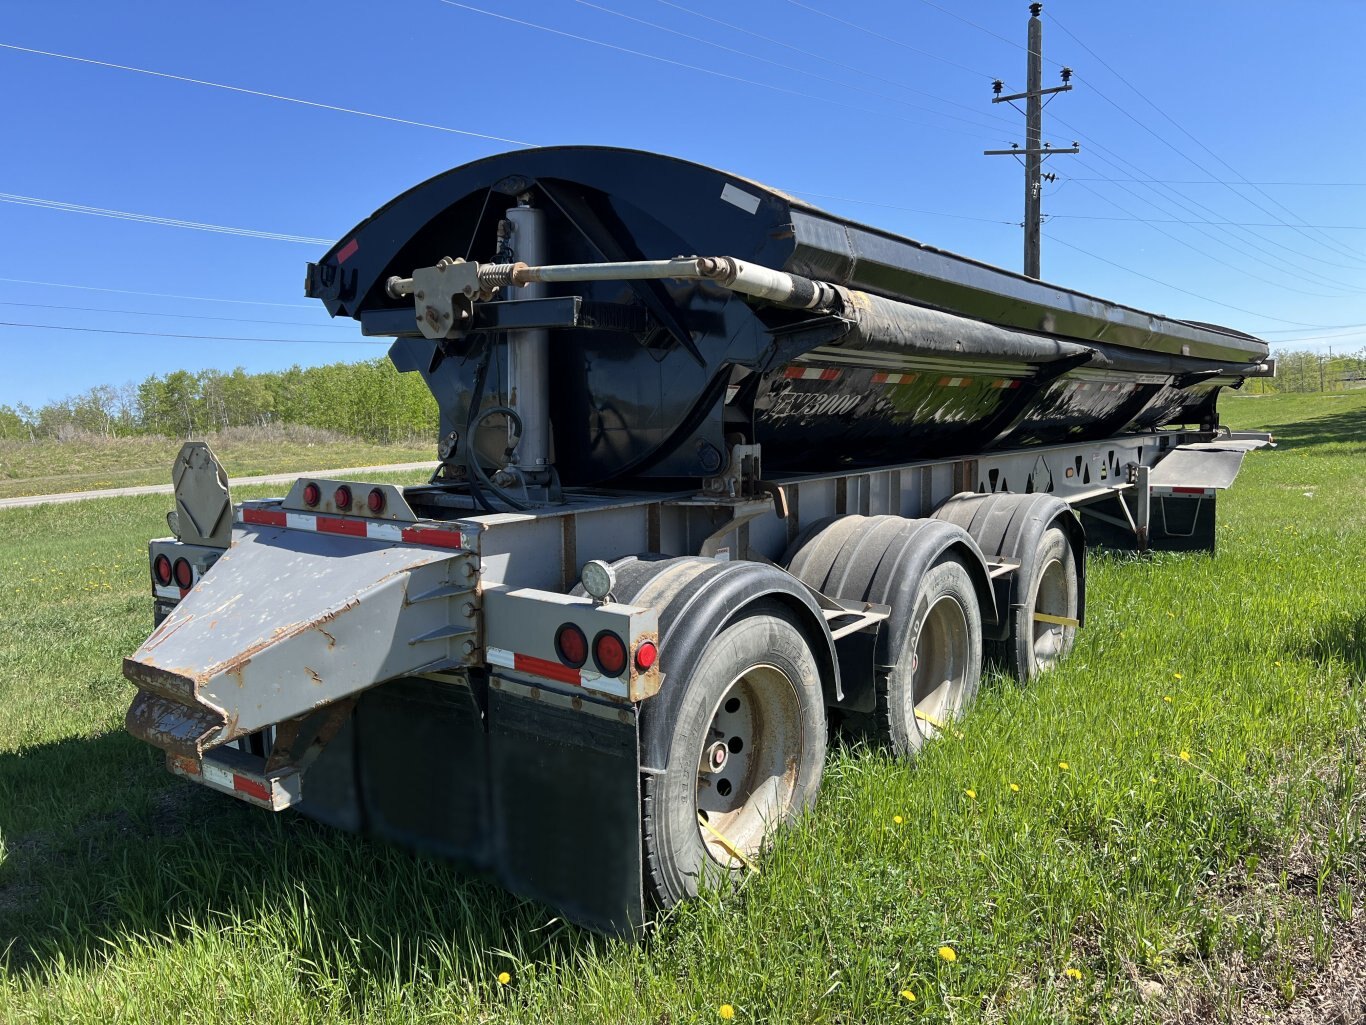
column 1066, row 75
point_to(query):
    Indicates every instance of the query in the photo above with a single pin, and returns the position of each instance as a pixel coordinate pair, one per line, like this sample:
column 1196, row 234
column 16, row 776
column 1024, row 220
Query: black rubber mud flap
column 566, row 800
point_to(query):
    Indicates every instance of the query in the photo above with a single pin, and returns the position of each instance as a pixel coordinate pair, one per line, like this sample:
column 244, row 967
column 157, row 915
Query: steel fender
column 695, row 598
column 1010, row 527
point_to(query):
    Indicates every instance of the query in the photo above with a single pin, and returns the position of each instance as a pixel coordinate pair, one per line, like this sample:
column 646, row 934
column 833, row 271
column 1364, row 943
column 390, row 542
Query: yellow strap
column 1044, row 617
column 931, row 720
column 731, row 849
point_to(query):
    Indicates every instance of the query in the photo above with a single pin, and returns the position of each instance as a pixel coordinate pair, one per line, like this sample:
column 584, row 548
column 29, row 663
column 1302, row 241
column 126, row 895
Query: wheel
column 745, row 756
column 939, row 660
column 1036, row 645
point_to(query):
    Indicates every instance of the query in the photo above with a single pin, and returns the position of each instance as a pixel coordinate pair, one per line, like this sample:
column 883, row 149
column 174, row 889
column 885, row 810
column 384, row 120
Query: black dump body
column 656, row 379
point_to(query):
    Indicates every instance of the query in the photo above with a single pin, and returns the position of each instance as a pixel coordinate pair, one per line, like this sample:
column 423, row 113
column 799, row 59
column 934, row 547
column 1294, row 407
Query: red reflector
column 312, row 494
column 437, row 538
column 647, row 653
column 571, row 645
column 347, row 251
column 337, row 525
column 184, row 575
column 1188, row 491
column 269, row 517
column 375, row 500
column 250, row 787
column 544, row 667
column 161, row 567
column 609, row 653
column 342, row 497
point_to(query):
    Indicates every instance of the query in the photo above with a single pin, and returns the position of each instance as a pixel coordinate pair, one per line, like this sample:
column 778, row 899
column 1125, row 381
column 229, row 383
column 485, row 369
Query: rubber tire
column 1016, row 653
column 676, row 860
column 895, row 716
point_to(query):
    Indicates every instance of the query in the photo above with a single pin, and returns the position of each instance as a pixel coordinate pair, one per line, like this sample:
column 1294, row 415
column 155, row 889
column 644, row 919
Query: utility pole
column 1035, row 151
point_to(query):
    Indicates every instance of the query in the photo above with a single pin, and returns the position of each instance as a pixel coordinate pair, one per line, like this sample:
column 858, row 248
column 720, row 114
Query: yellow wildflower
column 725, row 1012
column 1167, row 698
column 1073, row 973
column 898, row 819
column 1063, row 766
column 1152, row 779
column 907, row 995
column 1014, row 788
column 948, row 954
column 972, row 794
column 504, row 978
column 1185, row 756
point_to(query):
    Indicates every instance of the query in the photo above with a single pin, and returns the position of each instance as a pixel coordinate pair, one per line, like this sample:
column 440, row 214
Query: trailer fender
column 695, row 598
column 882, row 559
column 1010, row 527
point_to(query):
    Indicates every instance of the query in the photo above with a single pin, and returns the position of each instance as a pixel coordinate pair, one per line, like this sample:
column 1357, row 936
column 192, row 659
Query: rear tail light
column 375, row 501
column 647, row 654
column 184, row 575
column 571, row 645
column 312, row 494
column 609, row 652
column 161, row 570
column 342, row 497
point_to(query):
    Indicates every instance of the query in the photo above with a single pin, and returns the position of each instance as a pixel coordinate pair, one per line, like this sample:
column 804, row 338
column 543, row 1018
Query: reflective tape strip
column 811, row 373
column 881, row 378
column 375, row 530
column 954, row 382
column 225, row 779
column 1044, row 617
column 560, row 673
column 1173, row 492
column 1005, row 383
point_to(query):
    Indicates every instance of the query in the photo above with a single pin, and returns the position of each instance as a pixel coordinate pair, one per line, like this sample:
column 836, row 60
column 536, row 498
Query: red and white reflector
column 433, row 536
column 811, row 373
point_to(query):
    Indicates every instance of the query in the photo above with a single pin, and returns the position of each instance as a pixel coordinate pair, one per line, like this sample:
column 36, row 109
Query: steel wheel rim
column 1050, row 599
column 758, row 722
column 940, row 665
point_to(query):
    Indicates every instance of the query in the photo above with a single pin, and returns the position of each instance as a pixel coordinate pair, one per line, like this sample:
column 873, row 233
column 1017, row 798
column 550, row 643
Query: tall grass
column 1177, row 806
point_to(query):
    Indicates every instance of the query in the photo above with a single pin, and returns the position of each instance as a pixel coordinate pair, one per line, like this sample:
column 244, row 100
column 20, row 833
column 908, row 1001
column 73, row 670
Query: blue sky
column 876, row 109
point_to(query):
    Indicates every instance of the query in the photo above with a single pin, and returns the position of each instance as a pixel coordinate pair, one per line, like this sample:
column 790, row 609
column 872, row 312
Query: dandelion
column 948, row 954
column 1177, row 676
column 1152, row 779
column 898, row 819
column 908, row 996
column 1014, row 788
column 1063, row 766
column 1167, row 698
column 504, row 978
column 972, row 794
column 1185, row 756
column 725, row 1012
column 1073, row 973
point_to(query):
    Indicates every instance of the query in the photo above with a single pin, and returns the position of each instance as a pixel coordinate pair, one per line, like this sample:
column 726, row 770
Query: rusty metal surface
column 290, row 621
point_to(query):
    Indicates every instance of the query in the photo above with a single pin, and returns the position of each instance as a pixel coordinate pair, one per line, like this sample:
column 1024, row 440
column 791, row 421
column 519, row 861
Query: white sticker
column 740, row 198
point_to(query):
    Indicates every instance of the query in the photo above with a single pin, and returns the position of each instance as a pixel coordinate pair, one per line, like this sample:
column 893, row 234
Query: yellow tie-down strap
column 1044, row 617
column 730, row 848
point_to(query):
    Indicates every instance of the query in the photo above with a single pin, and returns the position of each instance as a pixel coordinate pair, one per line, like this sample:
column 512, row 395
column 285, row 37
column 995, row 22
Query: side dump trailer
column 717, row 470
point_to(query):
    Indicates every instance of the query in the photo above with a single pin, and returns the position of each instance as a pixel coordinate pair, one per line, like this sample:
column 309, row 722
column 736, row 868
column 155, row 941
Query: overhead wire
column 889, row 39
column 158, row 295
column 348, row 326
column 207, row 338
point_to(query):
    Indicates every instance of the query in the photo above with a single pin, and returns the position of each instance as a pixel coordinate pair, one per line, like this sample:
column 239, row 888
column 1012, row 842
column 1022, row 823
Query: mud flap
column 565, row 778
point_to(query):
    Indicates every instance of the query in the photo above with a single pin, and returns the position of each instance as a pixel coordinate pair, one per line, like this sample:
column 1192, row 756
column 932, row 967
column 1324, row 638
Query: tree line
column 368, row 400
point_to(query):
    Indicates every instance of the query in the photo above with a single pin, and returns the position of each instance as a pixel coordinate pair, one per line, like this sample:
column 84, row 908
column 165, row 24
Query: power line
column 1216, row 181
column 779, row 64
column 124, row 215
column 694, row 67
column 202, row 338
column 1233, row 224
column 1178, row 288
column 888, row 39
column 158, row 295
column 265, row 95
column 349, row 326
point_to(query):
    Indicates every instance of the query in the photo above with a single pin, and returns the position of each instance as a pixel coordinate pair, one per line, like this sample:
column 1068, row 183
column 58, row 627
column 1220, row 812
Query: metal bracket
column 443, row 296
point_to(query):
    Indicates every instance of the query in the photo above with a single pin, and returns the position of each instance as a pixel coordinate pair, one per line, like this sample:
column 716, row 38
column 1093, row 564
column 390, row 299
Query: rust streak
column 315, row 677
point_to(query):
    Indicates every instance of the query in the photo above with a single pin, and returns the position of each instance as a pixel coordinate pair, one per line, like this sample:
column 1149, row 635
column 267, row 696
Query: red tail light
column 647, row 654
column 571, row 645
column 342, row 497
column 609, row 653
column 184, row 575
column 161, row 570
column 312, row 494
column 375, row 501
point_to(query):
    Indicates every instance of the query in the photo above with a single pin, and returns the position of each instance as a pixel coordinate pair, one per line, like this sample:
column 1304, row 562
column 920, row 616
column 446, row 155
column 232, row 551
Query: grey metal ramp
column 289, row 621
column 1208, row 465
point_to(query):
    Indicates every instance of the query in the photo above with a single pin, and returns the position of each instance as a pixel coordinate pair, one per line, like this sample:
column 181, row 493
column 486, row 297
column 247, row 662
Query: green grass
column 127, row 895
column 87, row 464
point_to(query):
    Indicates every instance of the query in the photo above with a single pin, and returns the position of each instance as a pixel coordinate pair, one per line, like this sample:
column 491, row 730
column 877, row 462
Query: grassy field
column 88, row 464
column 1169, row 827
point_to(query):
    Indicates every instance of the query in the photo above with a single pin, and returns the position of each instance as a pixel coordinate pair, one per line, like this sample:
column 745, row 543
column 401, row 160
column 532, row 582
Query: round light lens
column 598, row 579
column 161, row 566
column 647, row 654
column 375, row 500
column 312, row 494
column 341, row 498
column 571, row 645
column 609, row 653
column 184, row 575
